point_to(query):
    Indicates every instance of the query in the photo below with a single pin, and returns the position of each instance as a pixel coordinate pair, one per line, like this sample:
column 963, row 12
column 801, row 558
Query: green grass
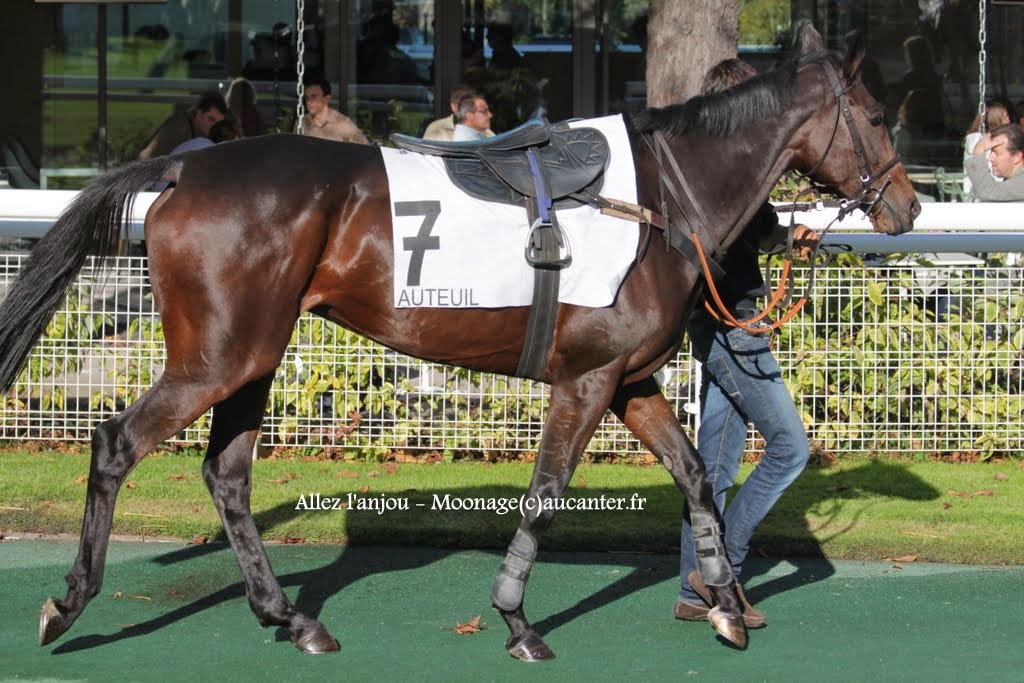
column 859, row 509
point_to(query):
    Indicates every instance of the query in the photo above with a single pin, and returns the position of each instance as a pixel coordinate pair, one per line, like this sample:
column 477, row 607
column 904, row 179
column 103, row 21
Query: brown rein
column 752, row 325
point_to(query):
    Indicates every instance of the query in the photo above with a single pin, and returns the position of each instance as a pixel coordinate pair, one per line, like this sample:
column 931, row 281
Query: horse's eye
column 877, row 120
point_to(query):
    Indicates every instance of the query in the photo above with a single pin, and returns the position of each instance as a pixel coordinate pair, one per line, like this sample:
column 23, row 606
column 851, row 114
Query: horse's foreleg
column 117, row 446
column 645, row 411
column 227, row 471
column 575, row 408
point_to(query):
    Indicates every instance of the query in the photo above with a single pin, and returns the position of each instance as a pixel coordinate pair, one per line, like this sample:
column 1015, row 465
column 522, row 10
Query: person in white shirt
column 472, row 120
column 444, row 128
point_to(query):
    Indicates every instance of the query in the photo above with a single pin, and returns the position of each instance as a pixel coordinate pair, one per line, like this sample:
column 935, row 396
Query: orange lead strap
column 723, row 314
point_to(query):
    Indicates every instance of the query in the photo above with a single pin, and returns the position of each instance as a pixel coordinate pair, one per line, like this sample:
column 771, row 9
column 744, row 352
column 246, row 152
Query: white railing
column 898, row 356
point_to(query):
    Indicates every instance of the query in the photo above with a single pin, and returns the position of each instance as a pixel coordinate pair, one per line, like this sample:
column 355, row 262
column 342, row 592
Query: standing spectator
column 920, row 75
column 1003, row 148
column 181, row 126
column 444, row 127
column 870, row 71
column 241, row 99
column 908, row 130
column 472, row 119
column 320, row 121
column 741, row 383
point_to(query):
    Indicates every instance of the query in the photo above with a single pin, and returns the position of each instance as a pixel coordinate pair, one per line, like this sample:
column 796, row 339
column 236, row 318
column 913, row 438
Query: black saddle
column 498, row 169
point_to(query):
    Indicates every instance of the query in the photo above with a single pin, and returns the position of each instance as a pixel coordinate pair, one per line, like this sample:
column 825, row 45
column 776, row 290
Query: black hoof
column 529, row 647
column 52, row 623
column 729, row 626
column 317, row 642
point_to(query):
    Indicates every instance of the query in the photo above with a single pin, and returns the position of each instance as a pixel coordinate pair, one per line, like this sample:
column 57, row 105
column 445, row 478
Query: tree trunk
column 685, row 38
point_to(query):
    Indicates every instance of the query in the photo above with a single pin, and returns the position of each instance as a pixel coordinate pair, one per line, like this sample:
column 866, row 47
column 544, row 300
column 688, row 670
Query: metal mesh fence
column 891, row 358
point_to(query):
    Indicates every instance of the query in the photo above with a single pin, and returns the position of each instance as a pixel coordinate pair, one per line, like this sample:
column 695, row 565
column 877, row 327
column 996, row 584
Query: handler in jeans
column 741, row 383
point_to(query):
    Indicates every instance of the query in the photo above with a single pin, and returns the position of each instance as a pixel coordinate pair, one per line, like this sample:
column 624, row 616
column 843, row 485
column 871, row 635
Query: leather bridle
column 866, row 199
column 869, row 196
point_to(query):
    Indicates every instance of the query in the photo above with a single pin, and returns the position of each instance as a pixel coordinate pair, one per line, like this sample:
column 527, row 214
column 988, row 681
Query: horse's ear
column 855, row 51
column 810, row 40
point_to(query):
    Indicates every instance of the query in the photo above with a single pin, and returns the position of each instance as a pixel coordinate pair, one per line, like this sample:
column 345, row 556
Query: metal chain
column 300, row 66
column 982, row 57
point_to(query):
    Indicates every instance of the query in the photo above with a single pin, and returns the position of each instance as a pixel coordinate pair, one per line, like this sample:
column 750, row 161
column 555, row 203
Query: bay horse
column 237, row 253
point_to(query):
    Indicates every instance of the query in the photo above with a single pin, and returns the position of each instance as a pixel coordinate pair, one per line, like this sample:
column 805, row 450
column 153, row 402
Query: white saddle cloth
column 472, row 254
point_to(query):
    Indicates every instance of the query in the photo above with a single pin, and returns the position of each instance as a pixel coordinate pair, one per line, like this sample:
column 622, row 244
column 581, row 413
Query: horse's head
column 846, row 146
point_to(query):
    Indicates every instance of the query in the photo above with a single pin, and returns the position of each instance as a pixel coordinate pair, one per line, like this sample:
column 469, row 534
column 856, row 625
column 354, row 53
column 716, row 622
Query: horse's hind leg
column 575, row 409
column 645, row 411
column 227, row 471
column 118, row 444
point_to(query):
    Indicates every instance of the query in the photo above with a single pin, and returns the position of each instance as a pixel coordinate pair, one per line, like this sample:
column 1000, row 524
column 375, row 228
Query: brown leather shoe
column 752, row 617
column 687, row 611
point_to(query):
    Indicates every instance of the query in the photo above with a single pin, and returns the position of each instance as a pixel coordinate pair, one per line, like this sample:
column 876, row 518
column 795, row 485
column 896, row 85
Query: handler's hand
column 805, row 241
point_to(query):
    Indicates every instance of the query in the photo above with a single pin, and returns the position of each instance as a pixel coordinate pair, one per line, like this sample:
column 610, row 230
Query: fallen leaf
column 985, row 492
column 898, row 566
column 471, row 626
column 364, row 489
column 288, row 476
column 348, row 474
column 905, row 558
column 140, row 597
column 962, row 494
column 174, row 593
column 198, row 540
column 1000, row 476
column 82, row 479
column 117, row 594
column 373, row 473
column 178, row 477
column 390, row 468
column 914, row 533
column 131, row 485
column 580, row 481
column 946, row 506
column 837, row 487
column 290, row 540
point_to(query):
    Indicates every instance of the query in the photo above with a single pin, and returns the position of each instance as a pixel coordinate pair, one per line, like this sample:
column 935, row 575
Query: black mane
column 762, row 97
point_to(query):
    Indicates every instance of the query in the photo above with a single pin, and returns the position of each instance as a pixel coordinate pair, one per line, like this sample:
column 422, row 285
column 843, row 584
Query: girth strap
column 543, row 253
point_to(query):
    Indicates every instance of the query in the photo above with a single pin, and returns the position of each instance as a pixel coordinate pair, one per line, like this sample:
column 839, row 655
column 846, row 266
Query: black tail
column 90, row 226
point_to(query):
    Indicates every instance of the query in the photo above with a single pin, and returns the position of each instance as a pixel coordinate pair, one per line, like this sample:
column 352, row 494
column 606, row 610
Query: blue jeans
column 742, row 383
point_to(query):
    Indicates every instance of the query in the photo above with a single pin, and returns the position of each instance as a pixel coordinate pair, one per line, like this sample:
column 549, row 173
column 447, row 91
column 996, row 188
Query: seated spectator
column 222, row 131
column 1003, row 148
column 444, row 127
column 182, row 126
column 472, row 119
column 320, row 121
column 996, row 114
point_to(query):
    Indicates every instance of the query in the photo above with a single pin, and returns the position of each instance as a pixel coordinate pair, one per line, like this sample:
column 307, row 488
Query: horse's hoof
column 529, row 647
column 729, row 626
column 317, row 642
column 52, row 623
